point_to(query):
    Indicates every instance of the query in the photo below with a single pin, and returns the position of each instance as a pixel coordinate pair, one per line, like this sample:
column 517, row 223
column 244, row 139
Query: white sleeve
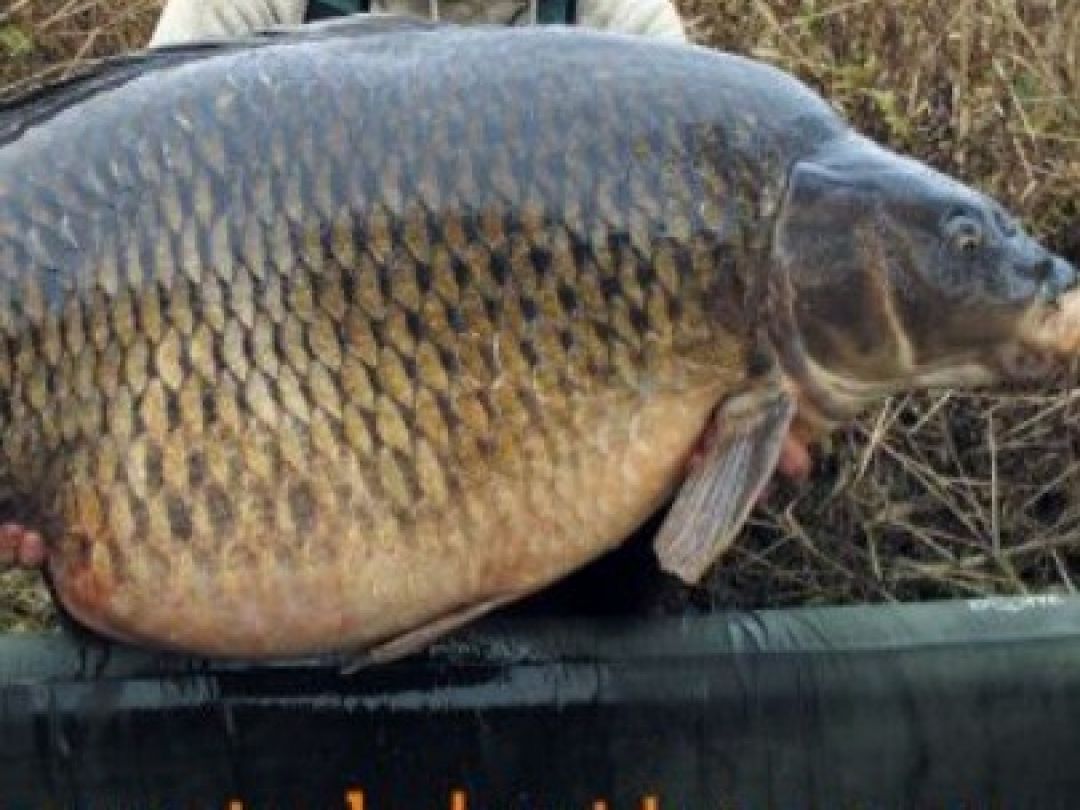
column 654, row 18
column 191, row 20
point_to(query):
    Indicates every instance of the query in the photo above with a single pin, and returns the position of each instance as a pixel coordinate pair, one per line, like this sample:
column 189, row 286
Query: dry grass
column 42, row 39
column 936, row 495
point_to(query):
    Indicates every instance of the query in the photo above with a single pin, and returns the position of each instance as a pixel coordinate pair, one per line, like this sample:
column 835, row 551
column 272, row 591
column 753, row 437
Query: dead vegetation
column 42, row 39
column 937, row 495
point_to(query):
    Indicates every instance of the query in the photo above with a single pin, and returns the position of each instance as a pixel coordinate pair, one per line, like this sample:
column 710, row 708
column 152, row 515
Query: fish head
column 894, row 276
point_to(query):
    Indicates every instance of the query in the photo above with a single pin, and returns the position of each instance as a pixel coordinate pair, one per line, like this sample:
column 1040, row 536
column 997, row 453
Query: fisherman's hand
column 794, row 462
column 20, row 547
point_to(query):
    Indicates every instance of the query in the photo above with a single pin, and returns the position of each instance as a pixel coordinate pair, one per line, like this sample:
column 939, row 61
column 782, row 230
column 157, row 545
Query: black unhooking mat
column 960, row 704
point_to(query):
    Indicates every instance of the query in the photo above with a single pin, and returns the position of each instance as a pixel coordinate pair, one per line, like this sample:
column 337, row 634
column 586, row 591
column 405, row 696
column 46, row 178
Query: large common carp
column 333, row 340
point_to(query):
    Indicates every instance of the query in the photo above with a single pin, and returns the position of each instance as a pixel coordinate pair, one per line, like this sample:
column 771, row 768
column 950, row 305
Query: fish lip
column 1047, row 338
column 1052, row 327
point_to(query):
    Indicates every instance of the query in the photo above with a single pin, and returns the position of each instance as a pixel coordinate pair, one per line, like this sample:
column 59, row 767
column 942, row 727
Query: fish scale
column 311, row 342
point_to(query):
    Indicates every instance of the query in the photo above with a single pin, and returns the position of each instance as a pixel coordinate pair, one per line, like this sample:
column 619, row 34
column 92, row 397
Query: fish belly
column 313, row 558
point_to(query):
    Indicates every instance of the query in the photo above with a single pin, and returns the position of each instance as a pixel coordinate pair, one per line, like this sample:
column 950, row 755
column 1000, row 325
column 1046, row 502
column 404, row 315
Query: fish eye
column 964, row 235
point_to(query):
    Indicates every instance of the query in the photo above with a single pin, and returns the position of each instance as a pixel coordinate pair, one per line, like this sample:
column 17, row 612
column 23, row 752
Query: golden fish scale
column 281, row 382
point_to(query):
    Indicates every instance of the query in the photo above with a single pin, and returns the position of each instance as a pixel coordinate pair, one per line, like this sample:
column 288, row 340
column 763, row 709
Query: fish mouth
column 1054, row 327
column 1048, row 339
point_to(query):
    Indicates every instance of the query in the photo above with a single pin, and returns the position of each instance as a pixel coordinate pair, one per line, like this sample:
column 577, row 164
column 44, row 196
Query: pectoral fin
column 742, row 446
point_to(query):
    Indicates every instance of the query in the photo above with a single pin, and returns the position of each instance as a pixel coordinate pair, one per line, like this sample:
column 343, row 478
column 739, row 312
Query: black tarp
column 959, row 704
